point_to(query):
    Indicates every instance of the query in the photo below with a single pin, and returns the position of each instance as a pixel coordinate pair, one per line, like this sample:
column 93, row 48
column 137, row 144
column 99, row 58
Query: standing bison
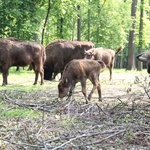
column 145, row 57
column 60, row 52
column 79, row 70
column 14, row 52
column 106, row 55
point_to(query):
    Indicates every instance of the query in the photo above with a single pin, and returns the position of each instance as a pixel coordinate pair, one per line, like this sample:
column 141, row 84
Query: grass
column 31, row 115
column 23, row 80
column 11, row 113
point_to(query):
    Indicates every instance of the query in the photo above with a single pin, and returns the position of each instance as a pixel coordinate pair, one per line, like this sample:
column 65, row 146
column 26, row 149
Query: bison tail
column 118, row 50
column 102, row 64
column 44, row 56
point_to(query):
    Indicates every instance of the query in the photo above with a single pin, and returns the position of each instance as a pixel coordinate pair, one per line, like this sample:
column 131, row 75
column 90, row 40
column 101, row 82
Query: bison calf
column 79, row 70
column 106, row 55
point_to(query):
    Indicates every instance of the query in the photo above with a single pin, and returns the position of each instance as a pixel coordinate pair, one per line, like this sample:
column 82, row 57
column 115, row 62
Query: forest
column 107, row 23
column 35, row 117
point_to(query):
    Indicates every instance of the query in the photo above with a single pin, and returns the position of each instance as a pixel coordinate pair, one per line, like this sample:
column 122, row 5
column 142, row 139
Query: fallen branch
column 87, row 135
column 99, row 141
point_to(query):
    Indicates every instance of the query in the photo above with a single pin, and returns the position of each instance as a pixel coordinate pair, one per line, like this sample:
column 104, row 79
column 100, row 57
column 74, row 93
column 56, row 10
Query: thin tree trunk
column 97, row 34
column 79, row 24
column 73, row 24
column 89, row 21
column 60, row 27
column 131, row 47
column 139, row 67
column 46, row 19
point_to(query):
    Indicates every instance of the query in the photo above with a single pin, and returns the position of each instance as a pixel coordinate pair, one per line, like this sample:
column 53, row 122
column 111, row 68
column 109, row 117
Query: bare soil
column 121, row 121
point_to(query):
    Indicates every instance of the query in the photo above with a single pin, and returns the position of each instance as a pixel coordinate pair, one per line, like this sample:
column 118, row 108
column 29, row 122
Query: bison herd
column 76, row 61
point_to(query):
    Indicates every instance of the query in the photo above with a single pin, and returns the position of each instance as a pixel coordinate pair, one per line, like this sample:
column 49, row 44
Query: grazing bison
column 106, row 55
column 79, row 70
column 145, row 57
column 60, row 52
column 14, row 52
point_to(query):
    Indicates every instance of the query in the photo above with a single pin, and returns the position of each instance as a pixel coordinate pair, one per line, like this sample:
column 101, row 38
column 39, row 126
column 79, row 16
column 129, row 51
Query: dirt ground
column 121, row 121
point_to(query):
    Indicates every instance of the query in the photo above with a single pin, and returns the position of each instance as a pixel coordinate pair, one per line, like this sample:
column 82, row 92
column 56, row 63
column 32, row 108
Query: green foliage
column 19, row 18
column 108, row 22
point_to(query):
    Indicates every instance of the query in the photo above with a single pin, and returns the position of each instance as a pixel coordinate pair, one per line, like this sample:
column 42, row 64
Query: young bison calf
column 79, row 71
column 104, row 54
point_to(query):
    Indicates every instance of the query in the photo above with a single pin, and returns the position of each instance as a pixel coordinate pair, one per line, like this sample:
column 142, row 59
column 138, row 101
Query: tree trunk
column 79, row 24
column 46, row 19
column 89, row 21
column 139, row 67
column 97, row 34
column 131, row 47
column 60, row 27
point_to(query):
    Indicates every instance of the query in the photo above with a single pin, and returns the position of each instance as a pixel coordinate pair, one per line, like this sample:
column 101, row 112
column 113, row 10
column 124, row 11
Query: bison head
column 145, row 57
column 89, row 54
column 63, row 88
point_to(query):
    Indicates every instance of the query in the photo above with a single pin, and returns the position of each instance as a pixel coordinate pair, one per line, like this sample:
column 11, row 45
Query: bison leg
column 5, row 75
column 58, row 68
column 83, row 84
column 94, row 81
column 93, row 89
column 36, row 77
column 17, row 69
column 38, row 69
column 48, row 73
column 99, row 91
column 71, row 90
column 110, row 70
column 42, row 77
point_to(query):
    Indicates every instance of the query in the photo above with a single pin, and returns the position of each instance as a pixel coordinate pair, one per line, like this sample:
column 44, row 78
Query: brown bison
column 106, row 55
column 79, row 70
column 60, row 52
column 14, row 52
column 145, row 57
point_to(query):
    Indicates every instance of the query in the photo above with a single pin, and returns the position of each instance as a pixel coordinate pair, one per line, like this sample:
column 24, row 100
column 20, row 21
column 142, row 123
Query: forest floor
column 39, row 120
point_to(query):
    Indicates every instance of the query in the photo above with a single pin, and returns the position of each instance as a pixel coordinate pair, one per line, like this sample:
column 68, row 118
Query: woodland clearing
column 34, row 118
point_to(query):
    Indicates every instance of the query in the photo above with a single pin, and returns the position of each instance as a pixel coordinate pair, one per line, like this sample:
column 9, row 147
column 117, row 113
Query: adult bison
column 15, row 52
column 145, row 57
column 60, row 52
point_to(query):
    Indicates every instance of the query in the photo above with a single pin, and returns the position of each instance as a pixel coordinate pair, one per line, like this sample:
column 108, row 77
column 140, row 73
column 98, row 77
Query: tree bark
column 78, row 24
column 131, row 46
column 139, row 67
column 60, row 27
column 89, row 21
column 46, row 19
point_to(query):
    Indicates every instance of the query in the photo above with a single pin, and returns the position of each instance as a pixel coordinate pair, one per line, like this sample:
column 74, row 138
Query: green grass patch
column 23, row 80
column 19, row 113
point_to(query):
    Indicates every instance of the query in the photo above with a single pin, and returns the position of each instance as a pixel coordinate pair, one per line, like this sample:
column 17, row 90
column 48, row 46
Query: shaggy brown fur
column 14, row 52
column 79, row 70
column 106, row 55
column 60, row 52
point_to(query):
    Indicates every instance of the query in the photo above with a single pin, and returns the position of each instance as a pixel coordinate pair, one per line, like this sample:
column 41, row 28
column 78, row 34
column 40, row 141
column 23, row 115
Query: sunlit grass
column 19, row 113
column 23, row 80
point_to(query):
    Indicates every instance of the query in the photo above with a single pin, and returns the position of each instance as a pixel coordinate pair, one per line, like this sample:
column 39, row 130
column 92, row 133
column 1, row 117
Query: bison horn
column 142, row 57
